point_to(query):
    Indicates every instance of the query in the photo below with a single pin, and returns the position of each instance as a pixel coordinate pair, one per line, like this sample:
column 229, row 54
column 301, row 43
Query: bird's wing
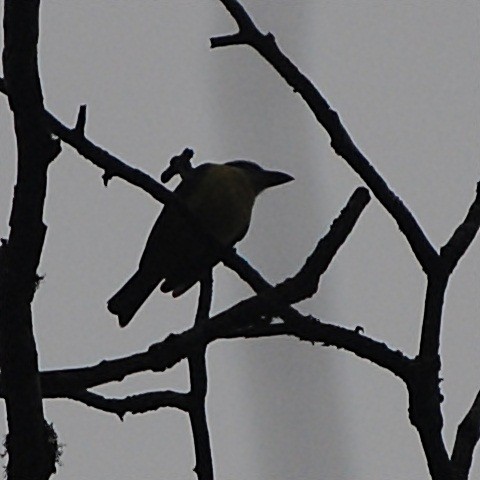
column 172, row 249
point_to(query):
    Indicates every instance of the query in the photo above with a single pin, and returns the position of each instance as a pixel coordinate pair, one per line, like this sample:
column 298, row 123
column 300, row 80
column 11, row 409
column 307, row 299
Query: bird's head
column 261, row 178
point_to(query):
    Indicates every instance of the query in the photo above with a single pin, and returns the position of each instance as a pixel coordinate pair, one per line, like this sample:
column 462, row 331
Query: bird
column 221, row 197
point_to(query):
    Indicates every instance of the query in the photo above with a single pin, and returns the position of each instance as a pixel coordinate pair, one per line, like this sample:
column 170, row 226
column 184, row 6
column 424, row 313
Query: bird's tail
column 126, row 302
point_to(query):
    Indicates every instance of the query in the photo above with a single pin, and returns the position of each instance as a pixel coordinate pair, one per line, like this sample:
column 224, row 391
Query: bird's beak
column 272, row 179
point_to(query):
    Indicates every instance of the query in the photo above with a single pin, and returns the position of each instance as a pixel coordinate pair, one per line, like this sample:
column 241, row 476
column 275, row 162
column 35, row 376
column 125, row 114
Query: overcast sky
column 404, row 77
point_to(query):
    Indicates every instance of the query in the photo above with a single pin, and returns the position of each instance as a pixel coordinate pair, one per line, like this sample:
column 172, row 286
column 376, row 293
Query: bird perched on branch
column 221, row 197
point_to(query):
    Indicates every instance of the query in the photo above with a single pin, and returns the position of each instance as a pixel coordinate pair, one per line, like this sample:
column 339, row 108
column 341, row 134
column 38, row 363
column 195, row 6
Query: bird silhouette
column 221, row 197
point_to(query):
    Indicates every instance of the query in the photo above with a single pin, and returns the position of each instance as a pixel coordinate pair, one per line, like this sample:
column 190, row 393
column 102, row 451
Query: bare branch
column 81, row 121
column 463, row 236
column 180, row 164
column 468, row 435
column 141, row 403
column 432, row 318
column 198, row 387
column 316, row 331
column 228, row 40
column 306, row 282
column 176, row 347
column 30, row 455
column 341, row 141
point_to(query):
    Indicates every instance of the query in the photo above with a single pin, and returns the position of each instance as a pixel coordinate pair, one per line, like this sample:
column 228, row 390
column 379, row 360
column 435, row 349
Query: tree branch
column 30, row 455
column 468, row 435
column 341, row 141
column 198, row 387
column 141, row 403
column 176, row 347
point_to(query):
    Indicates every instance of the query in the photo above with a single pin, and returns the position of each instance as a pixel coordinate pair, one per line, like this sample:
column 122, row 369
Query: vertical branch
column 468, row 435
column 426, row 417
column 198, row 389
column 432, row 315
column 423, row 382
column 28, row 446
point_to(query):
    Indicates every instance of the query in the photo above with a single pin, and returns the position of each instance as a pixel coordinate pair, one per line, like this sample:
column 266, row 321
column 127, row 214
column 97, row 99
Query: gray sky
column 404, row 77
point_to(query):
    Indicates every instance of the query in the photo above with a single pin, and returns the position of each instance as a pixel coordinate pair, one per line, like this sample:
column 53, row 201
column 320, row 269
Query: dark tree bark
column 28, row 439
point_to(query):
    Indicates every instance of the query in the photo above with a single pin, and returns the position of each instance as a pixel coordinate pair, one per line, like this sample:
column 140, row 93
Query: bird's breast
column 223, row 200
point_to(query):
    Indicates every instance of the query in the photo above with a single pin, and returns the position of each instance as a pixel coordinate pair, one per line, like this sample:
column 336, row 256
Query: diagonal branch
column 306, row 282
column 341, row 141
